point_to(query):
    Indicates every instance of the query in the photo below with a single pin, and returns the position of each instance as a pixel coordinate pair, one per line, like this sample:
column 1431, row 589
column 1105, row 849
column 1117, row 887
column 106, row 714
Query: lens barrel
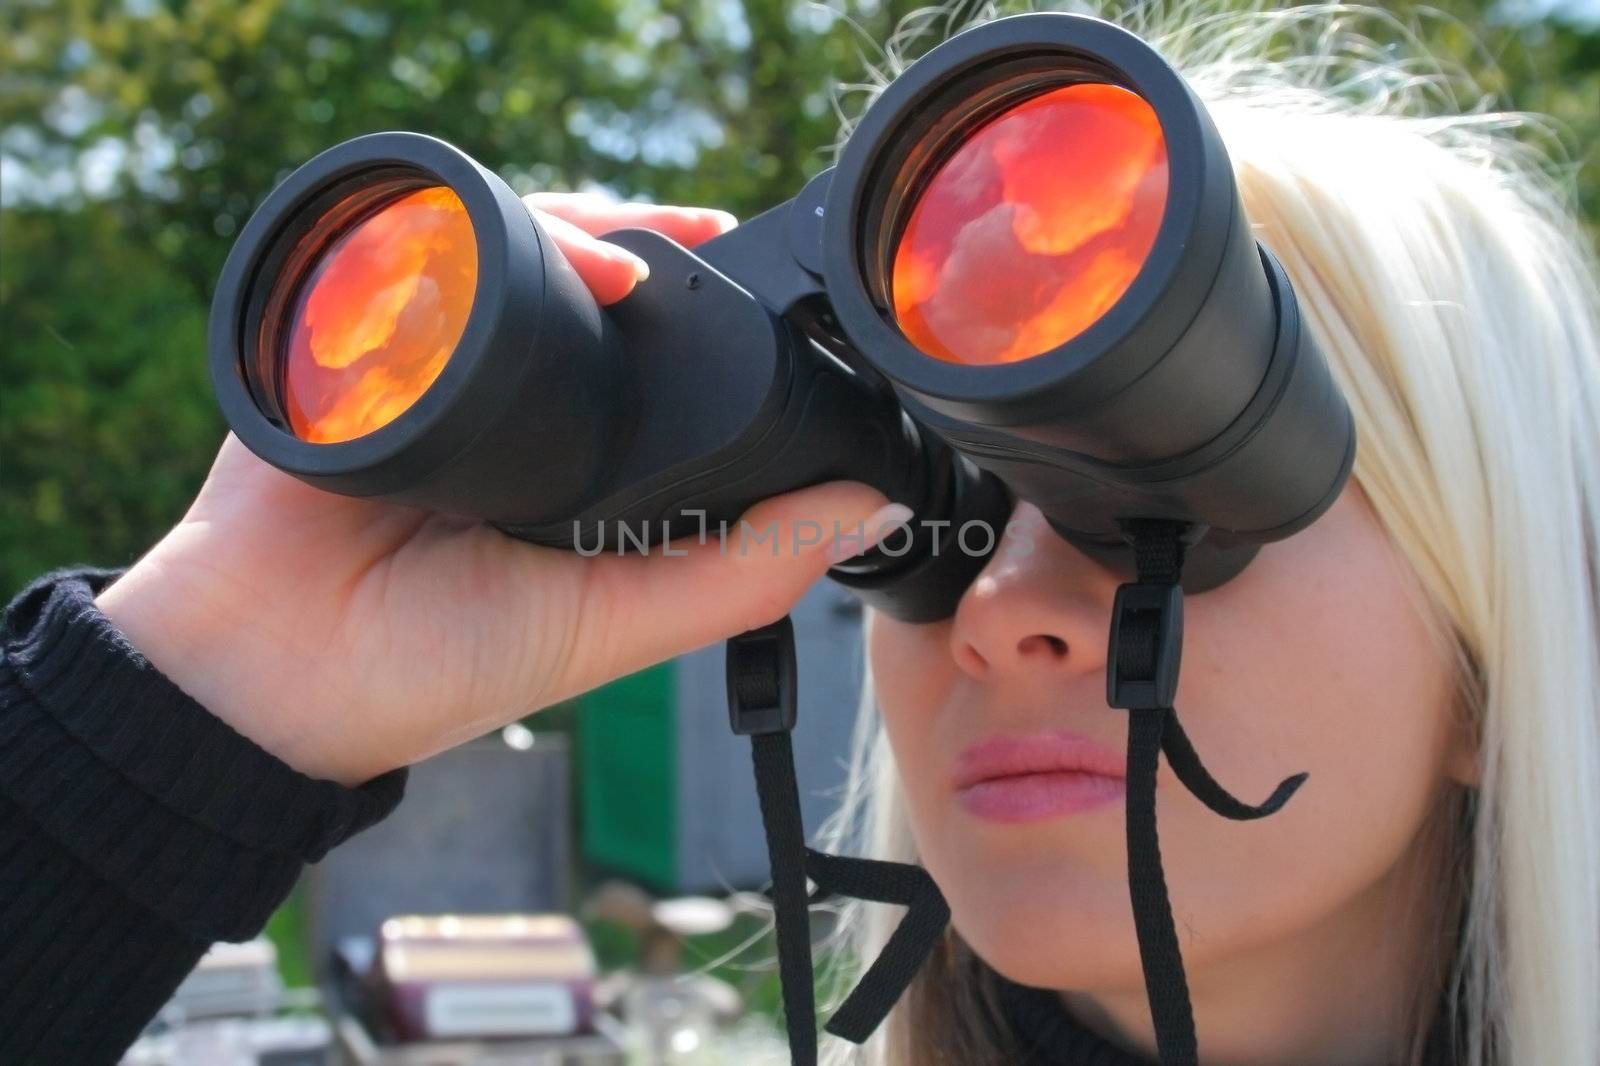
column 668, row 414
column 1195, row 396
column 531, row 395
column 1134, row 353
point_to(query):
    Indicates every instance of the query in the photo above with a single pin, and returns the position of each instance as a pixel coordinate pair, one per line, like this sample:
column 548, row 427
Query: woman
column 1428, row 651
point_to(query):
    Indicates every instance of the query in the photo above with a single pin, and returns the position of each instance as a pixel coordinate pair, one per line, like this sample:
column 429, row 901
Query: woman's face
column 1316, row 658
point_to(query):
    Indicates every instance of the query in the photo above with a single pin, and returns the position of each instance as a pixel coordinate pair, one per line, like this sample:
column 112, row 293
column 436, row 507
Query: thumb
column 783, row 545
column 740, row 577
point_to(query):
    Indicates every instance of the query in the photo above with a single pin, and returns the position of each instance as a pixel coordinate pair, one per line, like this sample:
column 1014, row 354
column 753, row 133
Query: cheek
column 919, row 690
column 1315, row 659
column 914, row 679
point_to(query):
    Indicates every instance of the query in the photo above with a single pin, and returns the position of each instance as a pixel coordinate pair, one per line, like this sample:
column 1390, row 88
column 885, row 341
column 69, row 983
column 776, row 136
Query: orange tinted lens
column 378, row 316
column 1033, row 228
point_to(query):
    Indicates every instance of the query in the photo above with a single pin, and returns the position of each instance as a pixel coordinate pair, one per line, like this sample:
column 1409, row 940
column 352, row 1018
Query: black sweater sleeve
column 135, row 829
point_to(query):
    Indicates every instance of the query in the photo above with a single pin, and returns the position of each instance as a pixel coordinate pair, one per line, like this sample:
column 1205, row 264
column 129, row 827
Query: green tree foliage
column 140, row 134
column 106, row 427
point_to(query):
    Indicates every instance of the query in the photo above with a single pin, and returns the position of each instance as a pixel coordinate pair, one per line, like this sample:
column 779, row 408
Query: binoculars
column 1029, row 276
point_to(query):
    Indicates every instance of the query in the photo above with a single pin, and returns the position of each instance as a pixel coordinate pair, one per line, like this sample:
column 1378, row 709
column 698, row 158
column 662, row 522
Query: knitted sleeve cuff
column 153, row 794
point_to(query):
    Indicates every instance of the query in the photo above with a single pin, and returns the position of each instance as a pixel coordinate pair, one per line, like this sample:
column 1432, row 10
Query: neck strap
column 1141, row 677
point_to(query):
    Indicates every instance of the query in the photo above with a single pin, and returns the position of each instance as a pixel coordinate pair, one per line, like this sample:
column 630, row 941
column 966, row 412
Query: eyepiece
column 1027, row 227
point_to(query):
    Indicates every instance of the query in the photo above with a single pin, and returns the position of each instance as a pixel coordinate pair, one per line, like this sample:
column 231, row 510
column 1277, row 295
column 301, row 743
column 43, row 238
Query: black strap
column 1162, row 961
column 903, row 953
column 1147, row 634
column 786, row 850
column 1185, row 763
column 762, row 705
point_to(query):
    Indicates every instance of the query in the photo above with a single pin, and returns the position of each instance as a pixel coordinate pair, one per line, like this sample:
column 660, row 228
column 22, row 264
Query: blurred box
column 458, row 978
column 484, row 976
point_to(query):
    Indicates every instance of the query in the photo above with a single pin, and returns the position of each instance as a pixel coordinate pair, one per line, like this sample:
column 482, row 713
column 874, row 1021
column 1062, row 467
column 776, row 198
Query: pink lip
column 1027, row 779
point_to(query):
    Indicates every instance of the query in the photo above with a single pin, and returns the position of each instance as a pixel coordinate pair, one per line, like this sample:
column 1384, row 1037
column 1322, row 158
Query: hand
column 350, row 637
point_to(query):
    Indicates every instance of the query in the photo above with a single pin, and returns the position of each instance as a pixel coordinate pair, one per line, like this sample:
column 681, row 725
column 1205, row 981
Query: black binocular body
column 1029, row 276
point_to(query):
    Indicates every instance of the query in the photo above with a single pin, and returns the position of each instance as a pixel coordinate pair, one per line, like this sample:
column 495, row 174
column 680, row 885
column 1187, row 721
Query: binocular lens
column 375, row 317
column 1033, row 227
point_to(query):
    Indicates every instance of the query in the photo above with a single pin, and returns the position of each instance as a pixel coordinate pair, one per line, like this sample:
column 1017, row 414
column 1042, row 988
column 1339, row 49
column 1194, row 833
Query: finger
column 609, row 271
column 598, row 215
column 660, row 605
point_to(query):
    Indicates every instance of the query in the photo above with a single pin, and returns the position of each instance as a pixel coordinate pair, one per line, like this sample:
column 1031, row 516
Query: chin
column 1048, row 924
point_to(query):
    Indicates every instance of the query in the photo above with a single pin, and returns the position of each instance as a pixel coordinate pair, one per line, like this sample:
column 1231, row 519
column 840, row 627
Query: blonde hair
column 1437, row 259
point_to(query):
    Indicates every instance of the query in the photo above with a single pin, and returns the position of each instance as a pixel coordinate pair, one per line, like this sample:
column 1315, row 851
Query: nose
column 1039, row 610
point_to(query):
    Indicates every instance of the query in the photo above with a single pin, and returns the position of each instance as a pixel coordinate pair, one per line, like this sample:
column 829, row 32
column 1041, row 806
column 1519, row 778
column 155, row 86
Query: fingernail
column 725, row 219
column 850, row 542
column 641, row 269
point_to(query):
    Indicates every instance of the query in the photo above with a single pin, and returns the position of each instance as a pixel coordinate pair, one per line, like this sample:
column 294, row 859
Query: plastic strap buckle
column 762, row 680
column 1146, row 646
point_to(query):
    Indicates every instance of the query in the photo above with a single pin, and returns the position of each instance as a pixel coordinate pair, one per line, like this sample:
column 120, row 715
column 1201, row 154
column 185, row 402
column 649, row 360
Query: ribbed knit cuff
column 159, row 798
